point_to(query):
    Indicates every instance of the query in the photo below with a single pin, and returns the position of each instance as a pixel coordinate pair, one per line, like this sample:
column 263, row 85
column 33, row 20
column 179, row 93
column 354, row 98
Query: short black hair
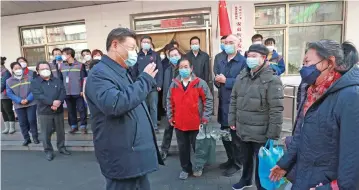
column 168, row 47
column 146, row 37
column 55, row 49
column 40, row 63
column 224, row 37
column 255, row 36
column 174, row 42
column 175, row 49
column 69, row 51
column 119, row 34
column 153, row 45
column 185, row 59
column 12, row 65
column 3, row 59
column 269, row 40
column 23, row 58
column 195, row 38
column 85, row 50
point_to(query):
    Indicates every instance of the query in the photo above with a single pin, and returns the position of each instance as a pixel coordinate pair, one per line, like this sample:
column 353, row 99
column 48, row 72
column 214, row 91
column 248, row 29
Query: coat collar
column 141, row 53
column 265, row 74
column 114, row 65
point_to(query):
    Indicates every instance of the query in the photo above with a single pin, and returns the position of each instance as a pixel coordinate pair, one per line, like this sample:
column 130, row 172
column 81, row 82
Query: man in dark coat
column 123, row 133
column 226, row 73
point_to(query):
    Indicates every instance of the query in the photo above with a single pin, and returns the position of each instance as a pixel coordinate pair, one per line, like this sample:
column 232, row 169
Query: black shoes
column 26, row 142
column 225, row 165
column 49, row 156
column 36, row 140
column 231, row 171
column 64, row 152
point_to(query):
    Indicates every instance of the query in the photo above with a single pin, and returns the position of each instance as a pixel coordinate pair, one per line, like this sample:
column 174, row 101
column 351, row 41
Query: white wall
column 352, row 25
column 101, row 19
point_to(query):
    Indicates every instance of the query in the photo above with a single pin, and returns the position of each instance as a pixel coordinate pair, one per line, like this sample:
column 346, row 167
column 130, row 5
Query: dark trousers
column 76, row 103
column 186, row 140
column 167, row 138
column 161, row 110
column 138, row 183
column 151, row 100
column 27, row 121
column 232, row 147
column 249, row 151
column 47, row 123
column 6, row 110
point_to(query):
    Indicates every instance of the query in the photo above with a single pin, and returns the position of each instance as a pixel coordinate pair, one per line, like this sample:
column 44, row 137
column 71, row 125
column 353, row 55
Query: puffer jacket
column 326, row 149
column 256, row 107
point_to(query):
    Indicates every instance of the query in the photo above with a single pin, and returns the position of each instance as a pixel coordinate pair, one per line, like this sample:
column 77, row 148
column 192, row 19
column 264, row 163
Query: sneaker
column 231, row 171
column 225, row 165
column 164, row 155
column 183, row 175
column 242, row 185
column 198, row 173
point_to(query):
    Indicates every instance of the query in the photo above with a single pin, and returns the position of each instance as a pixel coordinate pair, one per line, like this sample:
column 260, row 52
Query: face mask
column 87, row 57
column 174, row 59
column 270, row 48
column 184, row 73
column 229, row 49
column 18, row 72
column 146, row 46
column 162, row 56
column 97, row 57
column 309, row 74
column 257, row 42
column 195, row 47
column 45, row 73
column 64, row 58
column 252, row 62
column 23, row 64
column 58, row 58
column 222, row 47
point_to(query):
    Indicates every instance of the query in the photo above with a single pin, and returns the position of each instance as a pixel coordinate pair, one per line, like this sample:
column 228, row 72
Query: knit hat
column 259, row 48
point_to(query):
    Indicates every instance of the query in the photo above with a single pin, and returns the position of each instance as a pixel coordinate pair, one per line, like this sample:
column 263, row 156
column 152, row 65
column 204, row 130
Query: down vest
column 325, row 150
column 256, row 107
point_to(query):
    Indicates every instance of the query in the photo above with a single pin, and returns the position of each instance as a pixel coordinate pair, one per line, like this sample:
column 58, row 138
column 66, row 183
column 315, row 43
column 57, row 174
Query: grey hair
column 346, row 55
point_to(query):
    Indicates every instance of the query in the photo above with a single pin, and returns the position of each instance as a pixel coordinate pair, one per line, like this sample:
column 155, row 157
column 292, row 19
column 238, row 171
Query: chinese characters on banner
column 237, row 22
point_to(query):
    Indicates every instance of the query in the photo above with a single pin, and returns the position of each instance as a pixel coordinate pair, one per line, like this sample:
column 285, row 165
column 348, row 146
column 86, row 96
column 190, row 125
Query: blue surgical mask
column 222, row 47
column 195, row 47
column 58, row 58
column 229, row 49
column 174, row 59
column 132, row 58
column 252, row 62
column 309, row 74
column 146, row 46
column 184, row 73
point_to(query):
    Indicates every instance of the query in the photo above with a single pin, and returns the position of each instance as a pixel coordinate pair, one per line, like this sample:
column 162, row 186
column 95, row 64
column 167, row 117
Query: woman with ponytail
column 324, row 146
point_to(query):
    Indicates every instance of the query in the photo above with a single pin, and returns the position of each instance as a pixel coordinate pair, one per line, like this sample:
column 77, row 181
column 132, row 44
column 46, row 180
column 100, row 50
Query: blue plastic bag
column 268, row 158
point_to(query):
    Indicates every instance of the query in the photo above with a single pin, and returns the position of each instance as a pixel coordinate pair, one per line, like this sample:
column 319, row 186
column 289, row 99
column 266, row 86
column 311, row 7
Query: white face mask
column 45, row 73
column 162, row 56
column 270, row 48
column 257, row 42
column 87, row 57
column 18, row 72
column 97, row 57
column 23, row 64
column 64, row 57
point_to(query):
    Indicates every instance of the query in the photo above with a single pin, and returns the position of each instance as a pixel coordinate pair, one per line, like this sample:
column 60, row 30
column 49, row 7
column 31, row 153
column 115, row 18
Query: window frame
column 46, row 44
column 287, row 24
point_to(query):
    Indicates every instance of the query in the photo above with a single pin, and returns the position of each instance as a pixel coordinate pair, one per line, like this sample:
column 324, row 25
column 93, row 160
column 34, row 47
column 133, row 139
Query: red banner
column 171, row 23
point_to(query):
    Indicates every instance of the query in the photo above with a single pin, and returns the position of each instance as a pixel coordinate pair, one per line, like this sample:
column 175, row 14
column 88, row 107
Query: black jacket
column 201, row 66
column 45, row 92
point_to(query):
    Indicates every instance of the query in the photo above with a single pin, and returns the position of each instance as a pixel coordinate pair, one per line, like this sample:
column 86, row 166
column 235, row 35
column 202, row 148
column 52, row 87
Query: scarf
column 26, row 71
column 314, row 92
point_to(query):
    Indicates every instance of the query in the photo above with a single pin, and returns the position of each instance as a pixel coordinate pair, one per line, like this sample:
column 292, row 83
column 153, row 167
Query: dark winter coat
column 123, row 133
column 326, row 148
column 256, row 107
column 230, row 70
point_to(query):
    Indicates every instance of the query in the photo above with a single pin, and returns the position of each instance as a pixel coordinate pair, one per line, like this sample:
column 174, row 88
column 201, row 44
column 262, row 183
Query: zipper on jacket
column 135, row 135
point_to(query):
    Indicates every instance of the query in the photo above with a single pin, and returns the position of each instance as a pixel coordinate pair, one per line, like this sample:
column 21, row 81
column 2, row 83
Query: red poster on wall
column 171, row 23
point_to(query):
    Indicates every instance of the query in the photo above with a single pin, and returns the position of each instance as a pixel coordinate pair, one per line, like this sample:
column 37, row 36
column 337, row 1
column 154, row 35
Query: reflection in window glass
column 34, row 55
column 316, row 12
column 63, row 33
column 78, row 47
column 300, row 36
column 270, row 15
column 277, row 35
column 33, row 36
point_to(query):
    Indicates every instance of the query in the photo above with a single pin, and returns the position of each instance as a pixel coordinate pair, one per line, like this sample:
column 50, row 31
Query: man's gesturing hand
column 151, row 69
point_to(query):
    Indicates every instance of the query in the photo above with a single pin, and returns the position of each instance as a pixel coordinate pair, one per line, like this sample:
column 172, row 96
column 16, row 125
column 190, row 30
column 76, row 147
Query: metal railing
column 294, row 100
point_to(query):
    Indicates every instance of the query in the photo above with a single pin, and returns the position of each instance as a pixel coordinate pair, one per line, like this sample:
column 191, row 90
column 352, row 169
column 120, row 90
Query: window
column 38, row 42
column 305, row 22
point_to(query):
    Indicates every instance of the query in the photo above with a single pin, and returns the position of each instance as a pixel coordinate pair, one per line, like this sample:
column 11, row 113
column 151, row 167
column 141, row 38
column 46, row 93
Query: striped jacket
column 18, row 90
column 188, row 108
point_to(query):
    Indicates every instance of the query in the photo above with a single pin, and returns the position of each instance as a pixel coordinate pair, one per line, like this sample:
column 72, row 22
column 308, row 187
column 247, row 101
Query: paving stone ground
column 28, row 170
